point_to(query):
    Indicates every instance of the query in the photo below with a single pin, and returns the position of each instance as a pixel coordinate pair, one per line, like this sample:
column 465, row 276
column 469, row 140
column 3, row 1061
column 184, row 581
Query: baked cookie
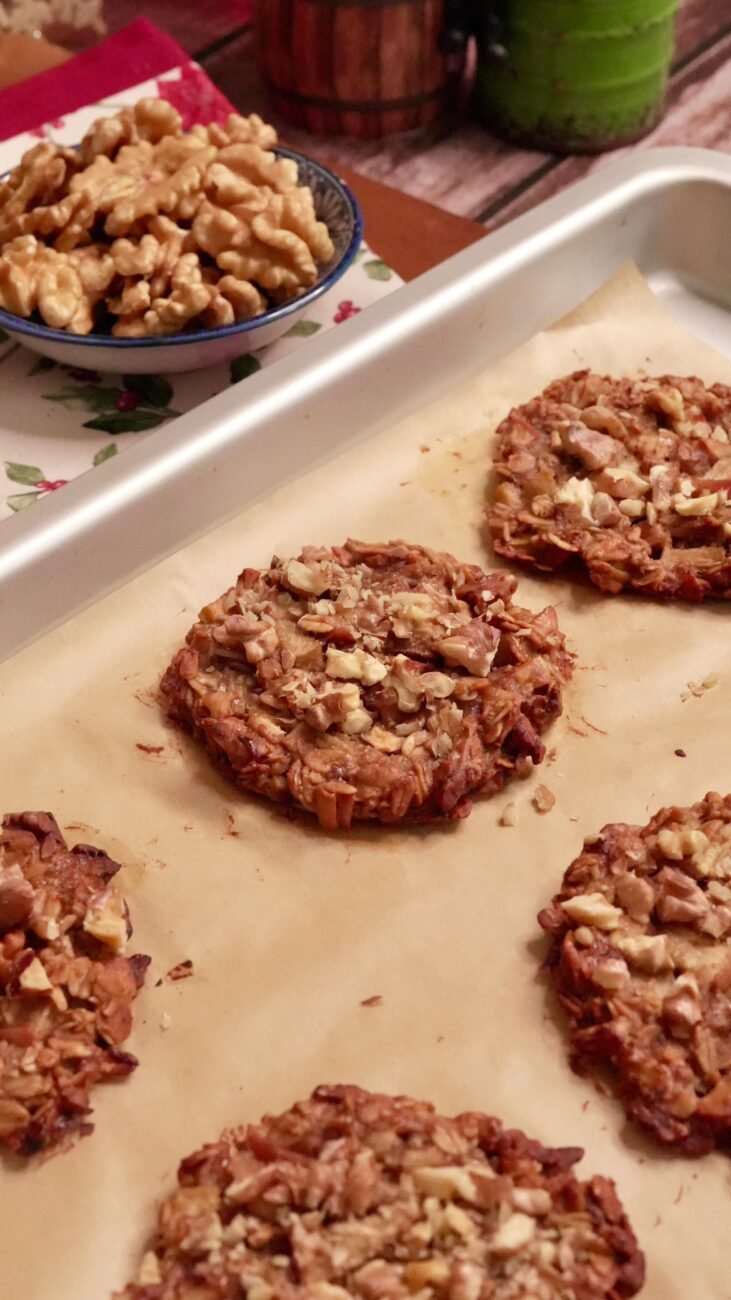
column 629, row 477
column 641, row 958
column 356, row 1196
column 386, row 682
column 66, row 990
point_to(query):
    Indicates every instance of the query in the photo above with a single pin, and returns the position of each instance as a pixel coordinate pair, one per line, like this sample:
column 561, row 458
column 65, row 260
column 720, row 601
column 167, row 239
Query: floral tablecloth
column 57, row 422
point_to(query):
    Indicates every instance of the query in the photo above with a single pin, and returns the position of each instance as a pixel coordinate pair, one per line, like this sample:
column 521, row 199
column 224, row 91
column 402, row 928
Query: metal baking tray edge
column 668, row 209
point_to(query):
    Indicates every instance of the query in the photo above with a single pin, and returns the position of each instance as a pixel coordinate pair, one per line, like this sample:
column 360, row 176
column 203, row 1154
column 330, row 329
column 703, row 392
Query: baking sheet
column 290, row 930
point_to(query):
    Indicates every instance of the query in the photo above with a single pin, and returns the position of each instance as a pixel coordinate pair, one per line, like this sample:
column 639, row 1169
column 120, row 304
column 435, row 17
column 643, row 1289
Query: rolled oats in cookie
column 356, row 1196
column 382, row 682
column 628, row 478
column 66, row 985
column 641, row 958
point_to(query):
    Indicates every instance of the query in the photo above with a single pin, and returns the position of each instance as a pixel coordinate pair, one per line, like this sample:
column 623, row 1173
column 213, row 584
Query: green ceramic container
column 573, row 75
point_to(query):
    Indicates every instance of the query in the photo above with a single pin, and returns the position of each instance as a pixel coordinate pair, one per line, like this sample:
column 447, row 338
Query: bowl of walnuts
column 149, row 248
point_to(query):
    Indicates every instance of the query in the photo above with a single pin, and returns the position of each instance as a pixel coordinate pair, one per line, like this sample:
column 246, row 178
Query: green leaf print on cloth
column 41, row 365
column 242, row 367
column 32, row 476
column 303, row 329
column 377, row 270
column 153, row 390
column 105, row 454
column 90, row 397
column 23, row 500
column 29, row 474
column 128, row 422
column 143, row 403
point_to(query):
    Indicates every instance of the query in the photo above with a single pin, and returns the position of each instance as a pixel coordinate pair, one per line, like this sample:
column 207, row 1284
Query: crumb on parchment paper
column 696, row 689
column 147, row 697
column 543, row 799
column 509, row 815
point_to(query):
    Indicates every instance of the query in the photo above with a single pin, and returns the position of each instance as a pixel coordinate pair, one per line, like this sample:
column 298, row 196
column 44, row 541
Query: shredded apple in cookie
column 641, row 957
column 66, row 986
column 380, row 681
column 356, row 1196
column 630, row 477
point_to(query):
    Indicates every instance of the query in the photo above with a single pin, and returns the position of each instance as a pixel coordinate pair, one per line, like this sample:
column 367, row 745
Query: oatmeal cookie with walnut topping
column 66, row 989
column 386, row 682
column 629, row 477
column 641, row 957
column 357, row 1196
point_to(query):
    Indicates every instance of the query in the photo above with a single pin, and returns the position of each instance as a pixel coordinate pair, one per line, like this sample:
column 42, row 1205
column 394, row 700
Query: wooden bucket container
column 362, row 68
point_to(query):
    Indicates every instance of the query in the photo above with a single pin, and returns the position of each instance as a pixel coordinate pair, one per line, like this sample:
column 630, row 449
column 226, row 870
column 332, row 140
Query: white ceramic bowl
column 335, row 204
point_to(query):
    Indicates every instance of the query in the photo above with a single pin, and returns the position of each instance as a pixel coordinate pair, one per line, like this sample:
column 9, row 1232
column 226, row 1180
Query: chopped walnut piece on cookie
column 382, row 682
column 66, row 987
column 357, row 1196
column 628, row 477
column 641, row 958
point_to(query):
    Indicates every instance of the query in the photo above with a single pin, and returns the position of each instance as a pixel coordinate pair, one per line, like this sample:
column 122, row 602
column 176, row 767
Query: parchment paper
column 289, row 929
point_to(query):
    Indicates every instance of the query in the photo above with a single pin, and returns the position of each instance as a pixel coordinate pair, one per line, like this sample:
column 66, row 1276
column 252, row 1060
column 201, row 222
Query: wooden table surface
column 467, row 174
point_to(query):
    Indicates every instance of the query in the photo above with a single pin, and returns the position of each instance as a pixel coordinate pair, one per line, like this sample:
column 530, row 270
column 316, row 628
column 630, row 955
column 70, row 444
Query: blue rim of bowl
column 19, row 325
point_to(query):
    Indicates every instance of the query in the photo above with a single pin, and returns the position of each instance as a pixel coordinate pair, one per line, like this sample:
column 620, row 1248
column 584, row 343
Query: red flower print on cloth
column 30, row 476
column 142, row 404
column 128, row 401
column 345, row 311
column 195, row 97
column 41, row 132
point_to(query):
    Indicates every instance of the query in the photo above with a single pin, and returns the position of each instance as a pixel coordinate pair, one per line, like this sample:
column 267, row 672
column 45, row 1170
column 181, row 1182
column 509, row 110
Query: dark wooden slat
column 355, row 36
column 700, row 23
